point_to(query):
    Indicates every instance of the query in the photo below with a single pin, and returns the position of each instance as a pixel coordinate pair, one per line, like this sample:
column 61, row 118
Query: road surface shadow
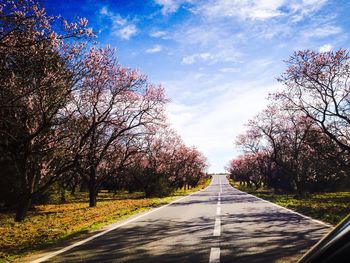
column 267, row 236
column 251, row 231
column 254, row 237
column 148, row 241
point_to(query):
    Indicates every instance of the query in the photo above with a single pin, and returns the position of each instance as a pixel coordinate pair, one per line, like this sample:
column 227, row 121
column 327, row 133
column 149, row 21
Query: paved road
column 218, row 224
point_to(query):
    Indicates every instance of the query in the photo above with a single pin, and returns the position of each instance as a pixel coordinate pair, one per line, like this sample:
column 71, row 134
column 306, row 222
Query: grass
column 49, row 224
column 327, row 207
column 330, row 207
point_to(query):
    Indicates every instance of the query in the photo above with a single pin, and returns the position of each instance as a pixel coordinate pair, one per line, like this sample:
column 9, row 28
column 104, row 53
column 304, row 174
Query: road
column 218, row 224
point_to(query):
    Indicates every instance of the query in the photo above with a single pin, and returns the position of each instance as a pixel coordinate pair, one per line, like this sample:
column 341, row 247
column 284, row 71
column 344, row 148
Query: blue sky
column 217, row 59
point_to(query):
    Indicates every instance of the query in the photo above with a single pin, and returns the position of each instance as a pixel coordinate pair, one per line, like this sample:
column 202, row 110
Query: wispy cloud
column 246, row 9
column 158, row 34
column 259, row 10
column 301, row 9
column 255, row 9
column 154, row 49
column 196, row 57
column 171, row 6
column 216, row 55
column 322, row 31
column 120, row 26
column 229, row 70
column 116, row 18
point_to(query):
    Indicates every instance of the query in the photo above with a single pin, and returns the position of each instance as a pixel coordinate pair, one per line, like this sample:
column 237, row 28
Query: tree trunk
column 74, row 188
column 92, row 196
column 23, row 208
column 299, row 189
column 93, row 185
column 256, row 186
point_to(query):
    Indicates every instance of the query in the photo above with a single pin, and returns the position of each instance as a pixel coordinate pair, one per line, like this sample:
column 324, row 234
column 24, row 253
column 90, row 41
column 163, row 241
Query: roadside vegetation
column 329, row 207
column 298, row 147
column 50, row 223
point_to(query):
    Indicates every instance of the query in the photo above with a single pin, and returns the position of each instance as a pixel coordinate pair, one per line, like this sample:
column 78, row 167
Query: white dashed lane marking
column 215, row 251
column 214, row 255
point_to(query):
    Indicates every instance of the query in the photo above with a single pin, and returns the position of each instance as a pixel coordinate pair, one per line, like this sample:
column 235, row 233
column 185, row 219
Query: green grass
column 329, row 207
column 49, row 224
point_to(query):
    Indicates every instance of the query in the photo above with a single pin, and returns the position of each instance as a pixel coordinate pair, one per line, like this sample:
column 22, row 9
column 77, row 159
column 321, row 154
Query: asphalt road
column 218, row 224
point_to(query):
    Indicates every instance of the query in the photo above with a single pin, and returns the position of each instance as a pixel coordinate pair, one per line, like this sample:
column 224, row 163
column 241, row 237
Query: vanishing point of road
column 217, row 224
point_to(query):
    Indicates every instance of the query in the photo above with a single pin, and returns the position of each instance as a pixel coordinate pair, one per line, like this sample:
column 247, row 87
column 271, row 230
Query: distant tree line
column 71, row 116
column 301, row 142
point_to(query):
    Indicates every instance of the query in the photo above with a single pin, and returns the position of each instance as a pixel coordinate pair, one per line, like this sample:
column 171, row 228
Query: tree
column 317, row 84
column 37, row 74
column 286, row 131
column 110, row 104
column 165, row 164
column 244, row 169
column 290, row 150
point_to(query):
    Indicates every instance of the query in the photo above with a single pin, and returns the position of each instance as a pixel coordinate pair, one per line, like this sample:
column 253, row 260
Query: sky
column 217, row 59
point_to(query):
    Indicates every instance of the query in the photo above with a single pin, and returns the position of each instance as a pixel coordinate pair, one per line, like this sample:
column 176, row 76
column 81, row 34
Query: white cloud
column 203, row 42
column 224, row 55
column 127, row 32
column 155, row 49
column 199, row 34
column 253, row 9
column 214, row 124
column 322, row 31
column 188, row 60
column 229, row 70
column 170, row 6
column 247, row 9
column 300, row 9
column 259, row 9
column 325, row 48
column 116, row 18
column 158, row 34
column 196, row 57
column 120, row 25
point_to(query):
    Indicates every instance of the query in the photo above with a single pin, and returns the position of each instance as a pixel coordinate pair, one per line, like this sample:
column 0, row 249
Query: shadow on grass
column 328, row 207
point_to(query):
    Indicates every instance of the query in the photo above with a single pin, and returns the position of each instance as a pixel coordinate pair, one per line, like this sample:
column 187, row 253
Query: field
column 48, row 224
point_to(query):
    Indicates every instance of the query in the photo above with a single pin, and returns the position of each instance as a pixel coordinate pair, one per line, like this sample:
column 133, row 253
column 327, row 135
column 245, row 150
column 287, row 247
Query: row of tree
column 301, row 142
column 70, row 114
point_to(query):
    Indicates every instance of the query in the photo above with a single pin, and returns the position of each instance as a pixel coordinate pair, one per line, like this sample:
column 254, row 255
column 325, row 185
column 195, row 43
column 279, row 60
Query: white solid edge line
column 52, row 254
column 294, row 212
column 218, row 210
column 214, row 255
